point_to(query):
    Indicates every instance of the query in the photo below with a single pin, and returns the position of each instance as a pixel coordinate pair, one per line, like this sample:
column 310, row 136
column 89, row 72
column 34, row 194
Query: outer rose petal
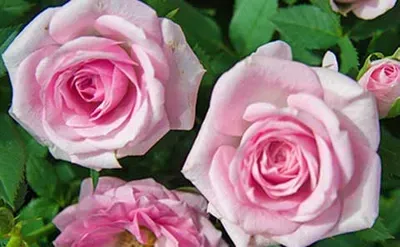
column 76, row 18
column 370, row 9
column 26, row 106
column 194, row 200
column 330, row 62
column 34, row 37
column 185, row 78
column 66, row 217
column 361, row 198
column 275, row 49
column 104, row 184
column 241, row 86
column 346, row 96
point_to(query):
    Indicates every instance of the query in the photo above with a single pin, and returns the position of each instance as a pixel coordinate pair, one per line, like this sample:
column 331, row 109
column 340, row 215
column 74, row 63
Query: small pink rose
column 364, row 9
column 287, row 152
column 383, row 80
column 96, row 80
column 138, row 213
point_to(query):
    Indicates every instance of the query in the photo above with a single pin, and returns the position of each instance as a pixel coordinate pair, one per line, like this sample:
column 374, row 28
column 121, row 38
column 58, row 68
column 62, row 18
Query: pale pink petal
column 276, row 49
column 257, row 111
column 77, row 18
column 186, row 74
column 117, row 28
column 66, row 217
column 251, row 218
column 257, row 79
column 343, row 94
column 330, row 62
column 194, row 200
column 198, row 162
column 34, row 37
column 104, row 184
column 97, row 161
column 361, row 196
column 26, row 105
column 314, row 230
column 370, row 9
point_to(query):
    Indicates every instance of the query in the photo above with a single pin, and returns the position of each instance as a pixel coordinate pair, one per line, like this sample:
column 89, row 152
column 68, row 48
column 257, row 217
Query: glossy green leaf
column 348, row 57
column 394, row 109
column 308, row 26
column 42, row 177
column 345, row 240
column 12, row 160
column 251, row 26
column 377, row 233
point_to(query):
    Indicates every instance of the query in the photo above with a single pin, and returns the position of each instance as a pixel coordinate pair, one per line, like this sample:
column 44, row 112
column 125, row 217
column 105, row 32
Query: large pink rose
column 287, row 153
column 383, row 80
column 364, row 9
column 96, row 80
column 138, row 213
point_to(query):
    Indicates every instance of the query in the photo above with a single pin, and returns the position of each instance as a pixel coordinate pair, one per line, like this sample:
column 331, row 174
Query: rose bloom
column 287, row 153
column 383, row 80
column 138, row 213
column 364, row 9
column 97, row 80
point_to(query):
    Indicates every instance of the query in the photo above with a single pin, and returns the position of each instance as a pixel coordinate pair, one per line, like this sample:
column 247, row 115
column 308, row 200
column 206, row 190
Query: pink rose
column 97, row 80
column 383, row 80
column 139, row 212
column 364, row 9
column 287, row 153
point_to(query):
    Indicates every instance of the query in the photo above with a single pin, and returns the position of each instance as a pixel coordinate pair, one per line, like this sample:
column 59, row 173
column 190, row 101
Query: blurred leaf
column 290, row 2
column 389, row 210
column 386, row 42
column 251, row 26
column 12, row 160
column 198, row 28
column 6, row 221
column 363, row 29
column 326, row 7
column 13, row 11
column 389, row 152
column 345, row 240
column 308, row 26
column 36, row 214
column 7, row 35
column 348, row 57
column 172, row 14
column 42, row 177
column 378, row 232
column 394, row 109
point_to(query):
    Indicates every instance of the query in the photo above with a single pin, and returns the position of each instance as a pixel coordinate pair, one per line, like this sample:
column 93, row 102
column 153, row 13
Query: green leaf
column 12, row 12
column 345, row 240
column 42, row 177
column 348, row 57
column 389, row 210
column 326, row 7
column 308, row 26
column 394, row 109
column 389, row 152
column 172, row 14
column 378, row 232
column 251, row 26
column 7, row 35
column 6, row 221
column 198, row 28
column 290, row 2
column 12, row 160
column 95, row 178
column 364, row 29
column 36, row 214
column 302, row 54
column 386, row 42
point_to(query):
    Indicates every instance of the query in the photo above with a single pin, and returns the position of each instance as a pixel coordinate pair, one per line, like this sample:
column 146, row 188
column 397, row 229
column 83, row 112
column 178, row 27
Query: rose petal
column 77, row 18
column 276, row 49
column 186, row 74
column 330, row 62
column 370, row 9
column 104, row 184
column 257, row 79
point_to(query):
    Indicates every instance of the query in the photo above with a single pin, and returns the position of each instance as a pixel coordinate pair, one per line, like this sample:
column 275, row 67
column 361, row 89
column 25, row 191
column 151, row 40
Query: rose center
column 89, row 89
column 126, row 239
